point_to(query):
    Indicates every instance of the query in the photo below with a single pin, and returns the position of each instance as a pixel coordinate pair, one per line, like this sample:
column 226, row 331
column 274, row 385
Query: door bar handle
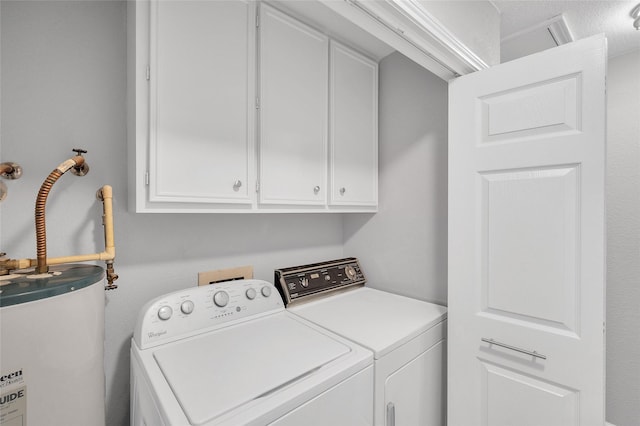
column 513, row 348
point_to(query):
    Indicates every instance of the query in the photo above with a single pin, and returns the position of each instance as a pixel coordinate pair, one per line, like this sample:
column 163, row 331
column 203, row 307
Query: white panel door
column 293, row 110
column 353, row 123
column 526, row 241
column 201, row 100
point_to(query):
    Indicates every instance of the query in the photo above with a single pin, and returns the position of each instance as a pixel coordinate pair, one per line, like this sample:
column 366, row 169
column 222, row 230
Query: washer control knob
column 251, row 294
column 165, row 312
column 186, row 307
column 221, row 298
column 304, row 282
column 266, row 291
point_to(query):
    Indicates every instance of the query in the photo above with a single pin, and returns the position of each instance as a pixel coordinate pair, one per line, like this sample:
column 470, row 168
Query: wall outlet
column 221, row 275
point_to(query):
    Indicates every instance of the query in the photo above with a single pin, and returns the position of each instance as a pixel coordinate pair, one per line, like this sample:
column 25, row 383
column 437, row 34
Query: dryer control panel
column 300, row 283
column 196, row 310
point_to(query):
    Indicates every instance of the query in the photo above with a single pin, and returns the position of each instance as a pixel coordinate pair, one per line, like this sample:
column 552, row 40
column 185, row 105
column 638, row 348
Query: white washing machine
column 230, row 354
column 407, row 336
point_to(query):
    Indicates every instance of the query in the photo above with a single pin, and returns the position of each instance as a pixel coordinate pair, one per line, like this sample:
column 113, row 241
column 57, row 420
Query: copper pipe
column 105, row 194
column 41, row 202
column 41, row 228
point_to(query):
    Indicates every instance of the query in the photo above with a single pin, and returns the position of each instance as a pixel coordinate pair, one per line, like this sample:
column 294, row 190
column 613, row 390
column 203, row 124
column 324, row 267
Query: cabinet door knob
column 343, row 190
column 236, row 185
column 316, row 189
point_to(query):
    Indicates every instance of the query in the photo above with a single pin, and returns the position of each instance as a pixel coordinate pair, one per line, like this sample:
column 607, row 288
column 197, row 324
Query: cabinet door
column 293, row 111
column 353, row 128
column 201, row 101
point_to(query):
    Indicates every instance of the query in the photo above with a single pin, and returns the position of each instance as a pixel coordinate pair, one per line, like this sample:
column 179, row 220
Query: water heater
column 52, row 346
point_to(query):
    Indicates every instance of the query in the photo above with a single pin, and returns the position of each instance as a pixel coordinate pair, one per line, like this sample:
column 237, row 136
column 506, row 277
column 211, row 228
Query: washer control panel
column 195, row 310
column 301, row 283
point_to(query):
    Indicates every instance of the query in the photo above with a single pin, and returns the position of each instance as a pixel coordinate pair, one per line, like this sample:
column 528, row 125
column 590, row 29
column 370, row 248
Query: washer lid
column 242, row 363
column 378, row 320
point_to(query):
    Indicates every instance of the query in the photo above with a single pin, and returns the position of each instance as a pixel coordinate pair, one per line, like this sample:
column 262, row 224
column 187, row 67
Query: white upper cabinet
column 230, row 113
column 353, row 98
column 293, row 111
column 201, row 139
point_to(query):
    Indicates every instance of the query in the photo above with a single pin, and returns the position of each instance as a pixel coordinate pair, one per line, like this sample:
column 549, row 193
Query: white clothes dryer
column 230, row 354
column 407, row 336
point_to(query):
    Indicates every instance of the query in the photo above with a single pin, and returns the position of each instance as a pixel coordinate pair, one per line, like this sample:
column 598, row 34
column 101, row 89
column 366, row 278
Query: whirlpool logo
column 153, row 335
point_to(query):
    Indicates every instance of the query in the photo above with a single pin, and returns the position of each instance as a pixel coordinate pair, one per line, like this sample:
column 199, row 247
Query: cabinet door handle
column 236, row 185
column 513, row 348
column 391, row 414
column 316, row 189
column 343, row 190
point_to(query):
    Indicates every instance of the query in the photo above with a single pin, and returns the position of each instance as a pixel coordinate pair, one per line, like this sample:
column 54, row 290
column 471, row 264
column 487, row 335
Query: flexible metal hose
column 41, row 229
column 41, row 202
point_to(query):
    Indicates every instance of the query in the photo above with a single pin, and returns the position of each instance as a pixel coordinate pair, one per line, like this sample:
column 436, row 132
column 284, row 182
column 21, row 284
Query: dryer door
column 417, row 402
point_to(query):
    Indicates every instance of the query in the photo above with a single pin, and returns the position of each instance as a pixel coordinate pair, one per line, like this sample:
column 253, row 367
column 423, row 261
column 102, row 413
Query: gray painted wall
column 623, row 240
column 403, row 248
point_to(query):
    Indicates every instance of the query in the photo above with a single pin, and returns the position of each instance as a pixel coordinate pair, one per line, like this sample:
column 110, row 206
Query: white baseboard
column 609, row 424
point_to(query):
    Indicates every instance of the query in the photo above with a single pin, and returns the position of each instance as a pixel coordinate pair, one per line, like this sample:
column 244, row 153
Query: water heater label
column 13, row 407
column 11, row 378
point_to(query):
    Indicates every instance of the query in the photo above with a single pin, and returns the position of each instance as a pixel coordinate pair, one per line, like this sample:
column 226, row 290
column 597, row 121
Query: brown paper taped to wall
column 221, row 275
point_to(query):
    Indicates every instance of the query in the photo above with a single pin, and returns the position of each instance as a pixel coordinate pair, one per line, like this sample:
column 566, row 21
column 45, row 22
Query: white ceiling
column 584, row 18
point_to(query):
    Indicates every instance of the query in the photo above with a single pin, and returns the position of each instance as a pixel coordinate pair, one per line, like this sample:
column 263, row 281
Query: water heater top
column 22, row 288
